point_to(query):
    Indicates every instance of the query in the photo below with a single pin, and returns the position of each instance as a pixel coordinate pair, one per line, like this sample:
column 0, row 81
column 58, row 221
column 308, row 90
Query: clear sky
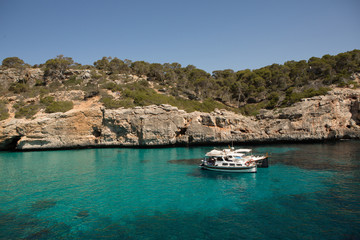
column 212, row 35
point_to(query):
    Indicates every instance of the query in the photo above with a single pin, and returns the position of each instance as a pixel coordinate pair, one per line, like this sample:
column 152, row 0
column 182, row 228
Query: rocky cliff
column 333, row 116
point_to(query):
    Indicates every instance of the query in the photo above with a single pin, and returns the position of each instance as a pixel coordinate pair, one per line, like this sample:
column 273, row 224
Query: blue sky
column 212, row 35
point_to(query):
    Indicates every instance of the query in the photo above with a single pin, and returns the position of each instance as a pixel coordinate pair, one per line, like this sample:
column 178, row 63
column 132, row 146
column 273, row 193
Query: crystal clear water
column 310, row 191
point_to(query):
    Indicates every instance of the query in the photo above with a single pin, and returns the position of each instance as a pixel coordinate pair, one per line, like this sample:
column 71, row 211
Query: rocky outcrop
column 334, row 116
column 12, row 75
column 58, row 130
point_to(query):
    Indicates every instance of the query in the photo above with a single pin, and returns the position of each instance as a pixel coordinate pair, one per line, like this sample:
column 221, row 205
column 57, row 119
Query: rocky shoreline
column 330, row 117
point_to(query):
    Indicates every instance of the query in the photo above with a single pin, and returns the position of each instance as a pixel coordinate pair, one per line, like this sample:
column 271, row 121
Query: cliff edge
column 332, row 116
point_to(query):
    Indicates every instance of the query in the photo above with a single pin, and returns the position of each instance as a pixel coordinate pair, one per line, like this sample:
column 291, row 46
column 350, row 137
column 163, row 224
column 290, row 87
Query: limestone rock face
column 12, row 75
column 56, row 130
column 334, row 116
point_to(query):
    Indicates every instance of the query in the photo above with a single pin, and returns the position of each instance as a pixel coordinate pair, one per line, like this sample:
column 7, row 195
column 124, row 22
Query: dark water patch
column 25, row 226
column 339, row 156
column 106, row 228
column 300, row 213
column 43, row 204
column 201, row 173
column 344, row 196
column 299, row 197
column 53, row 231
column 257, row 220
column 145, row 161
column 41, row 234
column 171, row 225
column 82, row 214
column 274, row 150
column 192, row 161
column 275, row 180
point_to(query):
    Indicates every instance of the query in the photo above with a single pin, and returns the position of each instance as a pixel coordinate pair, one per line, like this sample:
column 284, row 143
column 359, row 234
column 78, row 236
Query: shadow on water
column 82, row 214
column 24, row 226
column 145, row 161
column 339, row 156
column 201, row 173
column 43, row 204
column 257, row 220
column 192, row 161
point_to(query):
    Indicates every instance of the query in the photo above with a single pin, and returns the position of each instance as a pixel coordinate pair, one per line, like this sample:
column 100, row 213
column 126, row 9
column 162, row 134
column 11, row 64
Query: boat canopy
column 236, row 154
column 225, row 153
column 215, row 153
column 241, row 150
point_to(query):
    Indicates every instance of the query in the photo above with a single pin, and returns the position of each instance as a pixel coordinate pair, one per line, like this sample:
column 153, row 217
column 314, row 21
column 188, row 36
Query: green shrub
column 111, row 86
column 26, row 111
column 55, row 86
column 95, row 75
column 13, row 62
column 59, row 106
column 273, row 100
column 47, row 100
column 30, row 93
column 252, row 109
column 18, row 87
column 43, row 91
column 143, row 96
column 293, row 97
column 111, row 103
column 73, row 81
column 39, row 82
column 19, row 104
column 114, row 77
column 209, row 105
column 4, row 113
column 56, row 67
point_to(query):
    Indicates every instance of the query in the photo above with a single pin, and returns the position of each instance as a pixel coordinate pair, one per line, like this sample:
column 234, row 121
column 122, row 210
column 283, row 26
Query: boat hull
column 250, row 169
column 263, row 163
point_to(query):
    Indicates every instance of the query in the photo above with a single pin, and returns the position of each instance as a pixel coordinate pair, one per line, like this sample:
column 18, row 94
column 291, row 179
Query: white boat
column 232, row 160
column 260, row 160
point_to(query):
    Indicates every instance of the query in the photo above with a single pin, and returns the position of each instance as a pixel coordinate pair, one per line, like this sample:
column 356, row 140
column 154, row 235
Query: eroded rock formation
column 334, row 116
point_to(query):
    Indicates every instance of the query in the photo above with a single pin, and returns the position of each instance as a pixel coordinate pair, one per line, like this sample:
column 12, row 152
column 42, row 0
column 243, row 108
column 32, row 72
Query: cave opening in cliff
column 96, row 132
column 181, row 131
column 12, row 143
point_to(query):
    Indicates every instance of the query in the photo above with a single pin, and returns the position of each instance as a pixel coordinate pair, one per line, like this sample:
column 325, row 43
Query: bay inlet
column 309, row 191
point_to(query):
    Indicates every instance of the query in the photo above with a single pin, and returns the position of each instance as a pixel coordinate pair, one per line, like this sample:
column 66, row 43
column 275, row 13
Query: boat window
column 239, row 164
column 219, row 159
column 232, row 164
column 225, row 164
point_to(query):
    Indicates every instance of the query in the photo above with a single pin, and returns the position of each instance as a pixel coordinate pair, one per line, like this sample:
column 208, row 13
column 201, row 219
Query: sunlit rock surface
column 333, row 116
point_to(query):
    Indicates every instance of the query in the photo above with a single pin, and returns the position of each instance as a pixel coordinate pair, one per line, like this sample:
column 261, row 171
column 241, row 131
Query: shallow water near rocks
column 310, row 191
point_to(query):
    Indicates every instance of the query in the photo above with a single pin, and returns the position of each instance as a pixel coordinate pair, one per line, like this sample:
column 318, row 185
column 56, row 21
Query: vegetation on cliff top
column 124, row 83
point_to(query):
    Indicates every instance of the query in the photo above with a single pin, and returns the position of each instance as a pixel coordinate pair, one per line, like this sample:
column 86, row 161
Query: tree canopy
column 13, row 62
column 272, row 86
column 56, row 67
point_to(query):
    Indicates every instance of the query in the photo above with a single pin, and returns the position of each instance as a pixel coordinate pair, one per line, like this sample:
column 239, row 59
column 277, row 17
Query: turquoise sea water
column 310, row 191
